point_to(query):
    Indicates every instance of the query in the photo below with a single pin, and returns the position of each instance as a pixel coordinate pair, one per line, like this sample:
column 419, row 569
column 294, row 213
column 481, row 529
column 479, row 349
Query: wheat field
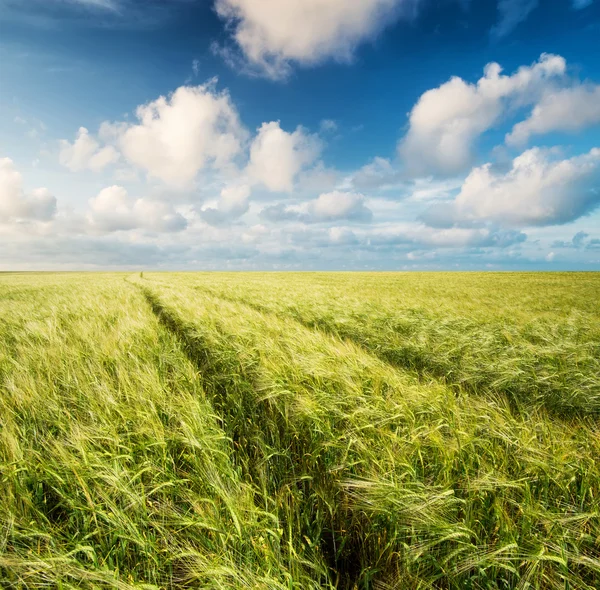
column 300, row 430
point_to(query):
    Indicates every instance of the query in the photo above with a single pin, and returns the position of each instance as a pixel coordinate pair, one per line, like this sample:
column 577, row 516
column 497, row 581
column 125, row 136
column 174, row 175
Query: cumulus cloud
column 342, row 236
column 272, row 34
column 15, row 204
column 178, row 135
column 280, row 212
column 255, row 233
column 512, row 13
column 276, row 156
column 446, row 121
column 233, row 203
column 538, row 190
column 114, row 210
column 333, row 206
column 339, row 205
column 85, row 153
column 566, row 109
column 195, row 128
column 317, row 179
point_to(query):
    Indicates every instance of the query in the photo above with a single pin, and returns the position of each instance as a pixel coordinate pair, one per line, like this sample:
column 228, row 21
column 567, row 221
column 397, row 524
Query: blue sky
column 300, row 134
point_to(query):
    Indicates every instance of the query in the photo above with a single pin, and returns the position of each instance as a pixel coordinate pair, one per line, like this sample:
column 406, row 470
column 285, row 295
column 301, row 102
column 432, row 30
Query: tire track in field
column 214, row 370
column 404, row 359
column 421, row 369
column 245, row 418
column 257, row 432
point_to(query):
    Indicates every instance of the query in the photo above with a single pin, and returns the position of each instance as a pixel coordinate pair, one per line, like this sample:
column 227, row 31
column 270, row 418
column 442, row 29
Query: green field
column 300, row 431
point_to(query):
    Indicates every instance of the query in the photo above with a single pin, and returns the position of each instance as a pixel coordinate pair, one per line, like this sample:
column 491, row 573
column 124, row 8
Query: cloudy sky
column 300, row 134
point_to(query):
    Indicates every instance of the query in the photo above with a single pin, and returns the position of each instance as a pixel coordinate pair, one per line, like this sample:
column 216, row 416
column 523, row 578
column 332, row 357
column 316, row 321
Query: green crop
column 291, row 431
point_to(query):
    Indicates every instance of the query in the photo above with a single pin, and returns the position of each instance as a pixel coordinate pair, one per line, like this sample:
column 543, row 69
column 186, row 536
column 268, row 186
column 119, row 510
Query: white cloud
column 402, row 237
column 318, row 179
column 446, row 121
column 339, row 205
column 428, row 189
column 455, row 237
column 113, row 210
column 567, row 109
column 85, row 153
column 276, row 156
column 512, row 13
column 233, row 203
column 376, row 174
column 342, row 236
column 580, row 241
column 537, row 190
column 179, row 135
column 274, row 33
column 255, row 233
column 15, row 204
column 234, row 199
column 328, row 126
column 579, row 4
column 333, row 206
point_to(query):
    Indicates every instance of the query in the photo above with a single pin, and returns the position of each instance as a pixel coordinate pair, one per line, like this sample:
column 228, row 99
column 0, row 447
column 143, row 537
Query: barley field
column 300, row 431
